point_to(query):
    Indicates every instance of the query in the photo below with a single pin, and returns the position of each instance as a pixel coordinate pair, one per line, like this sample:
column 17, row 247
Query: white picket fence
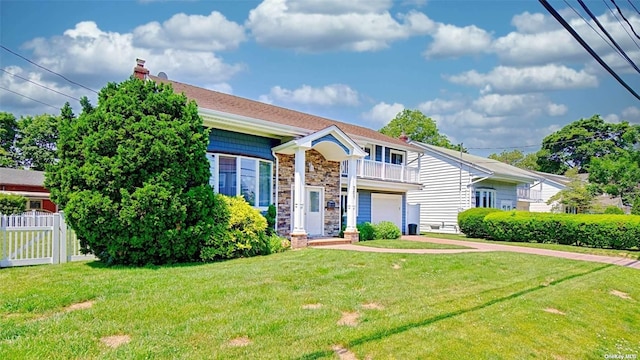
column 35, row 238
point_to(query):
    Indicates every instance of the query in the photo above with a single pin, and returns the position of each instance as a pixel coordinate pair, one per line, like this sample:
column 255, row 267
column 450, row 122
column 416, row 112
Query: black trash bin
column 413, row 229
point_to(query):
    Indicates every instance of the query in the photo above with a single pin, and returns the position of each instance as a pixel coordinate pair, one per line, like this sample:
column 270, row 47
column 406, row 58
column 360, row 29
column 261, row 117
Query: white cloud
column 329, row 95
column 382, row 113
column 528, row 23
column 439, row 106
column 85, row 51
column 453, row 41
column 611, row 118
column 348, row 25
column 55, row 96
column 528, row 79
column 522, row 105
column 191, row 32
column 220, row 87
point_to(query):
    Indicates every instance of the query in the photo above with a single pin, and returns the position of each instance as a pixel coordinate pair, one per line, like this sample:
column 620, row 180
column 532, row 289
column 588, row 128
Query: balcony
column 376, row 170
column 526, row 194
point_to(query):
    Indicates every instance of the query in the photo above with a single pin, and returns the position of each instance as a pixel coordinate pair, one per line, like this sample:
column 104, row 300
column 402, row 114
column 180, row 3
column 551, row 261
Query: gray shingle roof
column 21, row 177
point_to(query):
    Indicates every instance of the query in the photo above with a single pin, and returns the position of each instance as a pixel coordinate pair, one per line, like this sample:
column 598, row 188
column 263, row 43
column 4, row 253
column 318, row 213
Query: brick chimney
column 404, row 137
column 139, row 71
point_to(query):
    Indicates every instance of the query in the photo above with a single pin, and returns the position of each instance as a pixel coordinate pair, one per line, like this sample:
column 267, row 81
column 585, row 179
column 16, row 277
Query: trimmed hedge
column 366, row 230
column 471, row 222
column 604, row 231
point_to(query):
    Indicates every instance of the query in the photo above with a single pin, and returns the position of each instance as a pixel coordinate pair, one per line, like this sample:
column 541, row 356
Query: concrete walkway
column 486, row 247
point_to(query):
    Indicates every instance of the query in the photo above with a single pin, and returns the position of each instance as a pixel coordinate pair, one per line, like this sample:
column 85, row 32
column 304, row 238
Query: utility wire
column 634, row 7
column 32, row 99
column 592, row 28
column 44, row 68
column 623, row 27
column 586, row 46
column 42, row 86
column 595, row 19
column 625, row 19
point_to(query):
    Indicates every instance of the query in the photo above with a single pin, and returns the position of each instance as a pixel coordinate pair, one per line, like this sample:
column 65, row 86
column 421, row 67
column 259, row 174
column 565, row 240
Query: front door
column 314, row 211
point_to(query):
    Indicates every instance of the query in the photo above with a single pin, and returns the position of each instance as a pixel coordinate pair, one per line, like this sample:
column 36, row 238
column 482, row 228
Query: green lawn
column 404, row 244
column 462, row 306
column 632, row 254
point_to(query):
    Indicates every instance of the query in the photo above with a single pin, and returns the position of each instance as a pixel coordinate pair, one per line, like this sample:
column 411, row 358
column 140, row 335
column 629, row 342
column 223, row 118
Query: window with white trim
column 485, row 198
column 243, row 176
column 397, row 157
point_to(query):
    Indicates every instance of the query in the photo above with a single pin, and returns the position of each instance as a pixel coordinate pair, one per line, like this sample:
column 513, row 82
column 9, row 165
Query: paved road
column 486, row 247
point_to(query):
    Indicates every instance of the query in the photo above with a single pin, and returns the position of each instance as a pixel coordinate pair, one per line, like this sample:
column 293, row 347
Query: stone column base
column 298, row 241
column 352, row 236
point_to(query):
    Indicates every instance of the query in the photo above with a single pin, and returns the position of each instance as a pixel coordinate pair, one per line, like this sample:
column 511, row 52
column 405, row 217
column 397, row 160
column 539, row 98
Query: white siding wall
column 504, row 191
column 547, row 189
column 440, row 198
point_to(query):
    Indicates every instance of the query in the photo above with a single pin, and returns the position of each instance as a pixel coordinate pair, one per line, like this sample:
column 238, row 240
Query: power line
column 586, row 46
column 634, row 7
column 620, row 22
column 32, row 99
column 591, row 26
column 42, row 86
column 625, row 19
column 44, row 68
column 595, row 19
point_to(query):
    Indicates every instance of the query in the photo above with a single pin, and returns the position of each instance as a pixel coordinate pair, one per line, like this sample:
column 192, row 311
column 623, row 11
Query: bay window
column 254, row 177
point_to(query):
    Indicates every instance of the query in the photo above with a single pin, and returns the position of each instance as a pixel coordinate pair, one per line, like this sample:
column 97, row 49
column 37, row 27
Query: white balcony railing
column 383, row 171
column 525, row 193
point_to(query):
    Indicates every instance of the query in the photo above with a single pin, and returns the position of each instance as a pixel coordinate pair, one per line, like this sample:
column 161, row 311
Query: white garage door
column 386, row 207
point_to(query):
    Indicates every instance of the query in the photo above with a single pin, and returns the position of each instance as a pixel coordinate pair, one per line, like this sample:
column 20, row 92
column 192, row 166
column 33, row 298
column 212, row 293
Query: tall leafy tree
column 575, row 145
column 132, row 175
column 576, row 194
column 517, row 158
column 418, row 127
column 618, row 174
column 8, row 132
column 37, row 141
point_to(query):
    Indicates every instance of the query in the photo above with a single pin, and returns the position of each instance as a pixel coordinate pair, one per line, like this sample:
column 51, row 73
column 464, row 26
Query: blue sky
column 493, row 74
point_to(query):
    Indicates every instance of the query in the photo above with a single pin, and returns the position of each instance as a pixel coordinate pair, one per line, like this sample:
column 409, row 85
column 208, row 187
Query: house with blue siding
column 321, row 174
column 454, row 181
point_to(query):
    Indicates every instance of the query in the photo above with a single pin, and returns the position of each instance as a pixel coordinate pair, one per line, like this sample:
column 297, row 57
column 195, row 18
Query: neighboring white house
column 454, row 181
column 549, row 185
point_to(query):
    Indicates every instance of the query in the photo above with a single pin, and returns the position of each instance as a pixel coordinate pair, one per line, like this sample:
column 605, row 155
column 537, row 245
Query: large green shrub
column 610, row 231
column 366, row 231
column 386, row 230
column 613, row 210
column 245, row 236
column 471, row 222
column 12, row 204
column 132, row 175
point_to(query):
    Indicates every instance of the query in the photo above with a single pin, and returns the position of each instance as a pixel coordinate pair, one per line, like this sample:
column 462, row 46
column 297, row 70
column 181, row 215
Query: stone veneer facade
column 325, row 174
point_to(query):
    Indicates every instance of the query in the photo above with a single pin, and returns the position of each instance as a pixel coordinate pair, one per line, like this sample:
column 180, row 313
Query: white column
column 298, row 193
column 351, row 196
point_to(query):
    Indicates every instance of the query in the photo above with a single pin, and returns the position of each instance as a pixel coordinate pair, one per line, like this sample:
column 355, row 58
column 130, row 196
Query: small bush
column 12, row 204
column 471, row 222
column 366, row 230
column 245, row 235
column 635, row 209
column 613, row 210
column 386, row 230
column 276, row 244
column 271, row 219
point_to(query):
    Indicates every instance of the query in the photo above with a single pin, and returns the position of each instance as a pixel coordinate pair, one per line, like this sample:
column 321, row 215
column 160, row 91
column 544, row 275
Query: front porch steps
column 327, row 241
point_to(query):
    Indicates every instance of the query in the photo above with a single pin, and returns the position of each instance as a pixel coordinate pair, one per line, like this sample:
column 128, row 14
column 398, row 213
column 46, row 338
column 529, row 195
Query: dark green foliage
column 37, row 140
column 8, row 131
column 386, row 230
column 418, row 127
column 132, row 175
column 245, row 235
column 271, row 219
column 12, row 204
column 578, row 143
column 366, row 230
column 517, row 158
column 613, row 210
column 603, row 231
column 617, row 174
column 471, row 222
column 635, row 209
